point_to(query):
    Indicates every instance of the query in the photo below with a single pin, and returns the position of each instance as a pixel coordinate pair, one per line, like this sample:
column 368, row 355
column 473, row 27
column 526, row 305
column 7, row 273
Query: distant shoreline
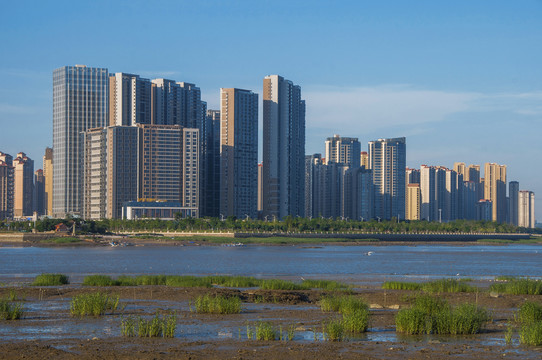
column 202, row 239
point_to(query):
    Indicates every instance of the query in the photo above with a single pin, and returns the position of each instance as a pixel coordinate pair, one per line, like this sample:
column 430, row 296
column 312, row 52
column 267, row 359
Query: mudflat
column 48, row 331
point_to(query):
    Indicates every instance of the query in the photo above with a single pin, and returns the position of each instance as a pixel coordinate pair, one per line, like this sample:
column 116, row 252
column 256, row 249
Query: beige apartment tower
column 6, row 186
column 23, row 185
column 48, row 175
column 495, row 190
column 238, row 153
column 413, row 202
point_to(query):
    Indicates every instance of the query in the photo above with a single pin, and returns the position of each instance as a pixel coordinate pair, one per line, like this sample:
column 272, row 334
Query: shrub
column 207, row 304
column 50, row 280
column 93, row 304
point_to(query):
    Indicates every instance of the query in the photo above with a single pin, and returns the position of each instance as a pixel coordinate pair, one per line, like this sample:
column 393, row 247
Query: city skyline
column 463, row 85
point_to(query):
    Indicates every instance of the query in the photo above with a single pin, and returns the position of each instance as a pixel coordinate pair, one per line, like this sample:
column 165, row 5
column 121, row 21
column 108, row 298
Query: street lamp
column 247, row 217
column 378, row 217
column 222, row 217
column 440, row 215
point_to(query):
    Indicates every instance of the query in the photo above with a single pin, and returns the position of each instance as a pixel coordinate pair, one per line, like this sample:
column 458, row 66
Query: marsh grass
column 93, row 304
column 208, row 304
column 531, row 334
column 400, row 285
column 333, row 330
column 530, row 312
column 51, row 280
column 505, row 278
column 265, row 331
column 235, row 281
column 13, row 295
column 10, row 310
column 518, row 286
column 435, row 316
column 437, row 286
column 154, row 327
column 342, row 304
column 99, row 280
column 277, row 284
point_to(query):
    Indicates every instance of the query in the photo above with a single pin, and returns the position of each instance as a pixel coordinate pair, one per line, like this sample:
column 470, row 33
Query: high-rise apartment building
column 129, row 100
column 472, row 173
column 484, row 210
column 211, row 162
column 312, row 192
column 94, row 145
column 238, row 153
column 460, row 168
column 48, row 175
column 23, row 185
column 343, row 150
column 387, row 159
column 80, row 102
column 412, row 176
column 160, row 162
column 495, row 190
column 526, row 216
column 513, row 204
column 413, row 202
column 190, row 181
column 6, row 186
column 364, row 159
column 283, row 148
column 259, row 207
column 122, row 168
column 470, row 199
column 39, row 193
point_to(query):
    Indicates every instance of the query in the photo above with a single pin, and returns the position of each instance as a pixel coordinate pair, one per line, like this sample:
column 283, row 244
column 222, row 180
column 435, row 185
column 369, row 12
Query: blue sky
column 462, row 80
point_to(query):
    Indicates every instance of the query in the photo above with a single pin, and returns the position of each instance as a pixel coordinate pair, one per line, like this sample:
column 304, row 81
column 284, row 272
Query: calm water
column 340, row 262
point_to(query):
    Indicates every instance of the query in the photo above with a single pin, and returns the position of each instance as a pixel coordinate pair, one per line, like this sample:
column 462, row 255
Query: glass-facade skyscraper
column 80, row 102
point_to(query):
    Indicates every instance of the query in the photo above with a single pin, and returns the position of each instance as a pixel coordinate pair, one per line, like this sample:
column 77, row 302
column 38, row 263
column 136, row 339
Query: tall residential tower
column 283, row 148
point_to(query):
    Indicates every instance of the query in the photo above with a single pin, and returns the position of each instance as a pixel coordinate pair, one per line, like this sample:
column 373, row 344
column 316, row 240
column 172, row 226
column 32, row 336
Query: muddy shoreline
column 49, row 332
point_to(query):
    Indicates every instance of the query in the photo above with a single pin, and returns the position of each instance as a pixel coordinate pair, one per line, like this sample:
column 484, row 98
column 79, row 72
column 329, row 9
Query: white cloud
column 380, row 107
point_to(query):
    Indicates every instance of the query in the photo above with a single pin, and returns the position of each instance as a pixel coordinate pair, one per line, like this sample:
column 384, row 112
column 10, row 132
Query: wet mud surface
column 48, row 331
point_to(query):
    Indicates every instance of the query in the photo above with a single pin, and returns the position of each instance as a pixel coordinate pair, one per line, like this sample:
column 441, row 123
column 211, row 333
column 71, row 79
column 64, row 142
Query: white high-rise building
column 80, row 102
column 387, row 159
column 526, row 216
column 343, row 150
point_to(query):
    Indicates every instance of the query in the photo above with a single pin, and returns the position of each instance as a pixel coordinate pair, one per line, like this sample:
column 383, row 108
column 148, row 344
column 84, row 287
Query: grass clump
column 447, row 286
column 401, row 285
column 93, row 304
column 62, row 240
column 10, row 310
column 333, row 330
column 521, row 286
column 437, row 286
column 431, row 315
column 342, row 304
column 277, row 284
column 234, row 281
column 208, row 304
column 531, row 334
column 355, row 316
column 154, row 327
column 51, row 280
column 329, row 285
column 530, row 312
column 188, row 281
column 99, row 280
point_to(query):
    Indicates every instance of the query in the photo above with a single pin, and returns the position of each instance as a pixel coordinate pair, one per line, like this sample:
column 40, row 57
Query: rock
column 394, row 307
column 495, row 294
column 376, row 306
